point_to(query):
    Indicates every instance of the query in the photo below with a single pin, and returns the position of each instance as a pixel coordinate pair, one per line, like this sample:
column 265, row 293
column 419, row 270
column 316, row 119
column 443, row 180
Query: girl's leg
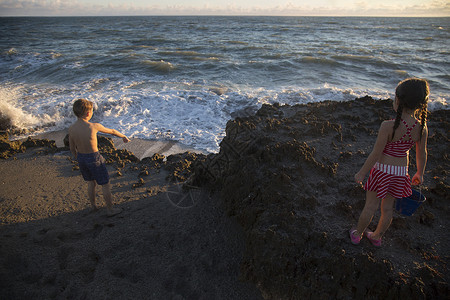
column 387, row 209
column 91, row 193
column 366, row 215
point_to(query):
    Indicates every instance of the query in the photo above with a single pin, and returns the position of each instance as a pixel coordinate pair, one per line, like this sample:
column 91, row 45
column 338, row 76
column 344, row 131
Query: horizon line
column 223, row 15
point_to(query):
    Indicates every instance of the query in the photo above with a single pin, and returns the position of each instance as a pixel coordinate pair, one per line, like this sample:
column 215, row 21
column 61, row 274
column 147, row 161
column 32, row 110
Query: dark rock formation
column 5, row 122
column 111, row 154
column 286, row 174
column 181, row 166
column 10, row 148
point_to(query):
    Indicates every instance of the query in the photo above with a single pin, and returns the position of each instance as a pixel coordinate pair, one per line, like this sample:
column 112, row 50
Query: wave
column 16, row 115
column 160, row 66
column 180, row 53
column 11, row 52
column 319, row 60
column 193, row 113
column 191, row 55
column 237, row 43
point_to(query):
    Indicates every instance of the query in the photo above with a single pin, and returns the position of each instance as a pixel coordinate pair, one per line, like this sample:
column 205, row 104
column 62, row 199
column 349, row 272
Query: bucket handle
column 420, row 191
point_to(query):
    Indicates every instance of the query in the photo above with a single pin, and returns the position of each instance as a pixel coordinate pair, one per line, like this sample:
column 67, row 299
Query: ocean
column 183, row 78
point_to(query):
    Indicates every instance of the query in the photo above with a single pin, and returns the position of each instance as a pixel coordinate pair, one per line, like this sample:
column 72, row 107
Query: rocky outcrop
column 9, row 148
column 5, row 122
column 286, row 174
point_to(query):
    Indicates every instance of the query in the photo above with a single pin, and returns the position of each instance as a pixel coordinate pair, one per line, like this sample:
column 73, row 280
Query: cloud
column 359, row 8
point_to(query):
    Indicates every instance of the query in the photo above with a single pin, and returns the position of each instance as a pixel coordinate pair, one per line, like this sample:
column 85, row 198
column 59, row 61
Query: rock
column 143, row 173
column 180, row 165
column 295, row 198
column 112, row 155
column 30, row 142
column 140, row 182
column 9, row 148
column 441, row 189
column 66, row 141
column 5, row 122
column 4, row 136
column 154, row 162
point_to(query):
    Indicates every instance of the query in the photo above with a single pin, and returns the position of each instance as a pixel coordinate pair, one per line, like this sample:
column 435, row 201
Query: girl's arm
column 421, row 157
column 377, row 151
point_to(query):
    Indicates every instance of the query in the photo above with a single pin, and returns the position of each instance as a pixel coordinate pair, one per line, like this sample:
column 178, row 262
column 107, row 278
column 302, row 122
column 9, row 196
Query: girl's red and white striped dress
column 388, row 179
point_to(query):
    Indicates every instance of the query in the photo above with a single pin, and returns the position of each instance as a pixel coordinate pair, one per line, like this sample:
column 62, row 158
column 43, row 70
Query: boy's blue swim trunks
column 92, row 167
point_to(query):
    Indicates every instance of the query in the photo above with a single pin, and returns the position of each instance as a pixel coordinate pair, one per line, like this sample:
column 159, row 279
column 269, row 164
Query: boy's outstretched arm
column 421, row 157
column 104, row 129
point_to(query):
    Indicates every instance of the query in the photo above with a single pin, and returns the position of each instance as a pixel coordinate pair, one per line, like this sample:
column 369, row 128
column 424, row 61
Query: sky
column 400, row 8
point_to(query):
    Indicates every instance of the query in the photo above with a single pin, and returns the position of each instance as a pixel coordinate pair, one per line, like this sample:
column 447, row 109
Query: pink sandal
column 355, row 239
column 376, row 243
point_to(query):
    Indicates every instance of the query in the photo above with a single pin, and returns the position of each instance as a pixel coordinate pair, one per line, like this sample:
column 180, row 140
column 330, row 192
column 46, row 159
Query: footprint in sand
column 63, row 254
column 89, row 265
column 79, row 262
column 179, row 283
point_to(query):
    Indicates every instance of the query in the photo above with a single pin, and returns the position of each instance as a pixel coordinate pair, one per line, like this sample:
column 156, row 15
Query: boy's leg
column 387, row 210
column 366, row 215
column 91, row 193
column 106, row 188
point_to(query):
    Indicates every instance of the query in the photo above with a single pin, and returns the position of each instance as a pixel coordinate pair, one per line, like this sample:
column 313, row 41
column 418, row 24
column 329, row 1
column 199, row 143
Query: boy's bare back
column 83, row 137
column 83, row 134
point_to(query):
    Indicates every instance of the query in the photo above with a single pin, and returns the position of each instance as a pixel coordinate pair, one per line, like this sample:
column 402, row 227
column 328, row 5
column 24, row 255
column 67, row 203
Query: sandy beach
column 162, row 246
column 192, row 228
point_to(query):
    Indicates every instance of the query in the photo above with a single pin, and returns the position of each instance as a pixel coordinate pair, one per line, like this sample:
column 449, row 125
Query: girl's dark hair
column 412, row 93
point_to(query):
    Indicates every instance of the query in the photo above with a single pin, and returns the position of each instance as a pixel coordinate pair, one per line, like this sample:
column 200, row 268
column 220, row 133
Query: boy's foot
column 114, row 211
column 376, row 243
column 354, row 238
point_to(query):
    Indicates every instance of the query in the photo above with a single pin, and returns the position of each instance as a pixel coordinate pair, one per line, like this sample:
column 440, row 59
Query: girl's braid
column 423, row 118
column 398, row 117
column 423, row 105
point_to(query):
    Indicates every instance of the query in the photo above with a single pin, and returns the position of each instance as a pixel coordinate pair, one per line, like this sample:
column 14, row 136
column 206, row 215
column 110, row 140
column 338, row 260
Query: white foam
column 10, row 109
column 439, row 103
column 190, row 113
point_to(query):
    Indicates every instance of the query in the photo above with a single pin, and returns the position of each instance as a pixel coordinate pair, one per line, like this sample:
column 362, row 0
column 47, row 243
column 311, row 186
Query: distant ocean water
column 183, row 78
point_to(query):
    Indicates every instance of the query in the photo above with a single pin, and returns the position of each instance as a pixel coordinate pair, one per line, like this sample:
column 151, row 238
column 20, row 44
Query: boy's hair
column 81, row 107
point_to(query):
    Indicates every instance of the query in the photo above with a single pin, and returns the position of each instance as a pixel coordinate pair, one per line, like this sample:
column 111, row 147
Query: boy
column 83, row 145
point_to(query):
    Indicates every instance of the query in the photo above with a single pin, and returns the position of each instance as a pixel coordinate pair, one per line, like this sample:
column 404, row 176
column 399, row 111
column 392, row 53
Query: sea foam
column 194, row 115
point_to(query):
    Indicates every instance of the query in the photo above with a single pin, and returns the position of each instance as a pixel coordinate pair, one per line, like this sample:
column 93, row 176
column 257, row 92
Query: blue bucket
column 408, row 205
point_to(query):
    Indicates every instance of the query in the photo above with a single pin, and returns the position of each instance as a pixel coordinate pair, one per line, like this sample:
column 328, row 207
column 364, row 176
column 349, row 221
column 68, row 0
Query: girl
column 388, row 161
